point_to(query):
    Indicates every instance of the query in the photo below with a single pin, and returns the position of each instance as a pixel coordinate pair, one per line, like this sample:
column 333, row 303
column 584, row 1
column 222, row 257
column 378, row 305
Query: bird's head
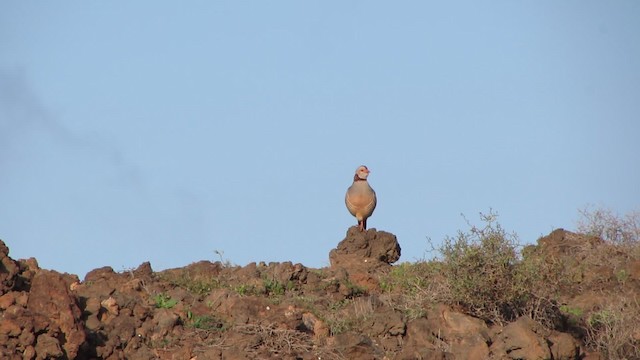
column 361, row 173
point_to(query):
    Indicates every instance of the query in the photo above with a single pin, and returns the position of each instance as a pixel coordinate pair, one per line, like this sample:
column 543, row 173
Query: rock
column 563, row 242
column 564, row 347
column 165, row 319
column 312, row 324
column 110, row 305
column 8, row 269
column 281, row 310
column 465, row 336
column 105, row 272
column 7, row 300
column 384, row 321
column 369, row 249
column 144, row 271
column 29, row 353
column 354, row 346
column 446, row 334
column 47, row 347
column 286, row 272
column 361, row 255
column 518, row 340
column 56, row 308
column 9, row 327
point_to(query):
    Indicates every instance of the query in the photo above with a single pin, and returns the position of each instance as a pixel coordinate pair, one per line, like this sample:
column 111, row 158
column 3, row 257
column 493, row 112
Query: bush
column 486, row 276
column 420, row 285
column 614, row 330
column 610, row 227
column 479, row 267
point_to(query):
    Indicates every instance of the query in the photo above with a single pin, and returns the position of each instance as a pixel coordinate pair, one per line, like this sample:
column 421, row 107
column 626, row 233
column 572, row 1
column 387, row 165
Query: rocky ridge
column 211, row 310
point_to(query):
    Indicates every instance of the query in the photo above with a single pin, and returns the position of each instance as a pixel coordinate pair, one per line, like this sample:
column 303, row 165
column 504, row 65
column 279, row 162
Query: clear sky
column 163, row 131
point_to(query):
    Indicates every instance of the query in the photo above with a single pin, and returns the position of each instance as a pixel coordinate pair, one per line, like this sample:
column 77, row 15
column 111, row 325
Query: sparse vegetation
column 205, row 322
column 615, row 329
column 583, row 286
column 480, row 271
column 244, row 289
column 480, row 268
column 195, row 284
column 610, row 227
column 163, row 301
column 223, row 261
column 487, row 273
column 273, row 287
column 348, row 314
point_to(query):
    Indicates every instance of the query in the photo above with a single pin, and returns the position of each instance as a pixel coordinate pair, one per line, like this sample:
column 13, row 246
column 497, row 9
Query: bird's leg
column 364, row 224
column 361, row 225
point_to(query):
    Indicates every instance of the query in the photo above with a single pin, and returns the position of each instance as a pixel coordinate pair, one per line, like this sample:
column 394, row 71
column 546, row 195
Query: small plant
column 622, row 276
column 195, row 284
column 224, row 261
column 204, row 322
column 244, row 289
column 163, row 301
column 337, row 305
column 273, row 287
column 338, row 325
column 401, row 277
column 336, row 319
column 574, row 311
column 354, row 289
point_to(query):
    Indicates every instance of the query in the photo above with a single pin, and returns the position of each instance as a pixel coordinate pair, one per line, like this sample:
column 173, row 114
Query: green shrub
column 204, row 322
column 163, row 301
column 274, row 287
column 486, row 276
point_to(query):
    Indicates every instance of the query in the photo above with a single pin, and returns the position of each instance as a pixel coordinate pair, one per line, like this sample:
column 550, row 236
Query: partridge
column 360, row 197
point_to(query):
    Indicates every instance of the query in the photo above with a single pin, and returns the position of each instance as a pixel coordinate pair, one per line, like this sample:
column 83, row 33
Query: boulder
column 55, row 310
column 520, row 340
column 368, row 249
column 8, row 269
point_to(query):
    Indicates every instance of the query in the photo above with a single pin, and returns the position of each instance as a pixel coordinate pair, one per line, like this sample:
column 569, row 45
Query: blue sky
column 152, row 131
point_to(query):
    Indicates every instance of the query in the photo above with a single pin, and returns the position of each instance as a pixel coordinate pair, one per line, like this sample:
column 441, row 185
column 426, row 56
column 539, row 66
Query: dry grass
column 280, row 342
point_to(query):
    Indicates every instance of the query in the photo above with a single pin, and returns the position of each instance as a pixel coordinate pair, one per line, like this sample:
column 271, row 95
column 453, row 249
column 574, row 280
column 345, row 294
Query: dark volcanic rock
column 365, row 249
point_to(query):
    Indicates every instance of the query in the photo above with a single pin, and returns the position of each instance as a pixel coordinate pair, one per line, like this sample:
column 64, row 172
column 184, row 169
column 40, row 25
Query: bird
column 360, row 198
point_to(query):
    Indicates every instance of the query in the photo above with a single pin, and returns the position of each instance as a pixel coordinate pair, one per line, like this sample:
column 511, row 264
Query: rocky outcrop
column 210, row 310
column 369, row 249
column 55, row 314
column 363, row 255
column 40, row 315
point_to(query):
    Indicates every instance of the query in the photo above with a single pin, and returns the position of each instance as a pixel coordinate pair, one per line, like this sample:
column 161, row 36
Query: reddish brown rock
column 563, row 346
column 365, row 249
column 8, row 269
column 519, row 340
column 280, row 310
column 460, row 335
column 48, row 347
column 56, row 308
